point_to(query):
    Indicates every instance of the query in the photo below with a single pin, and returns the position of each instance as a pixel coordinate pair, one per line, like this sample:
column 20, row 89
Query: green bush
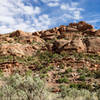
column 82, row 77
column 81, row 85
column 6, row 58
column 27, row 87
column 73, row 85
column 97, row 74
column 74, row 94
column 68, row 70
column 62, row 80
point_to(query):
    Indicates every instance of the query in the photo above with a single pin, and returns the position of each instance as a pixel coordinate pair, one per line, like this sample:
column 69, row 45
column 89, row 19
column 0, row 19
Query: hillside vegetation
column 62, row 63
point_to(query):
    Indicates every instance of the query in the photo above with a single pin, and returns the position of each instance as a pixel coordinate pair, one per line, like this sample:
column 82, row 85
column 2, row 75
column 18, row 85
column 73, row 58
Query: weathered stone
column 90, row 32
column 62, row 28
column 82, row 26
column 16, row 49
column 49, row 46
column 59, row 45
column 97, row 33
column 66, row 45
column 31, row 39
column 49, row 38
column 78, row 44
column 93, row 45
column 9, row 39
column 37, row 39
column 70, row 29
column 18, row 33
column 73, row 25
column 36, row 34
column 47, row 33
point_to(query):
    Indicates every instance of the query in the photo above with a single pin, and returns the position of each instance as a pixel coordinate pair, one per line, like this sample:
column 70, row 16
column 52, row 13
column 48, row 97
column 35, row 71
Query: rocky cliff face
column 78, row 37
column 76, row 45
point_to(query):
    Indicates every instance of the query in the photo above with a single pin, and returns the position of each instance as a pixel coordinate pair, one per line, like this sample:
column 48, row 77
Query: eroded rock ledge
column 78, row 37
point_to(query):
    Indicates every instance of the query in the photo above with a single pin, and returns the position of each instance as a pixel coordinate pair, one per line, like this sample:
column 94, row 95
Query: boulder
column 73, row 25
column 49, row 47
column 16, row 49
column 47, row 33
column 8, row 39
column 93, row 45
column 78, row 44
column 62, row 28
column 49, row 38
column 69, row 45
column 58, row 45
column 18, row 33
column 70, row 29
column 69, row 35
column 37, row 39
column 36, row 34
column 90, row 32
column 97, row 33
column 82, row 26
column 31, row 39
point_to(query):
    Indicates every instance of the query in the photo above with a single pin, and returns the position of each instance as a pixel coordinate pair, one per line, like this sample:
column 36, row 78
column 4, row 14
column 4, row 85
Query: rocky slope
column 66, row 51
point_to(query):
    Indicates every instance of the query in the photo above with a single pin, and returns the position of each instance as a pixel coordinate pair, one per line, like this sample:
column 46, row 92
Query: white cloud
column 45, row 1
column 73, row 10
column 7, row 20
column 93, row 21
column 63, row 7
column 77, row 15
column 67, row 6
column 14, row 14
column 42, row 23
column 74, row 4
column 5, row 29
column 28, row 10
column 53, row 4
column 37, row 10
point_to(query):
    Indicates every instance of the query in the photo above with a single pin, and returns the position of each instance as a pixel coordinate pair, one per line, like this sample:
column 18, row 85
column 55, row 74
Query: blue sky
column 35, row 15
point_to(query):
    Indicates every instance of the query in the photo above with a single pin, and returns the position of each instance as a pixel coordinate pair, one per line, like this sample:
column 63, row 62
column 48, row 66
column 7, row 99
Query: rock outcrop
column 53, row 51
column 79, row 37
column 16, row 49
column 18, row 33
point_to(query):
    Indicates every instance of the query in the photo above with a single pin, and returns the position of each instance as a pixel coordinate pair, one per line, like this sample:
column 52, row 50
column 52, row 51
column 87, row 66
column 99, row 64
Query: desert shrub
column 81, row 85
column 62, row 80
column 43, row 75
column 61, row 65
column 98, row 94
column 82, row 77
column 78, row 56
column 1, row 73
column 46, row 69
column 85, row 72
column 27, row 88
column 56, row 56
column 68, row 70
column 74, row 94
column 73, row 85
column 97, row 74
column 48, row 57
column 6, row 58
column 45, row 56
column 65, row 54
column 92, row 57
